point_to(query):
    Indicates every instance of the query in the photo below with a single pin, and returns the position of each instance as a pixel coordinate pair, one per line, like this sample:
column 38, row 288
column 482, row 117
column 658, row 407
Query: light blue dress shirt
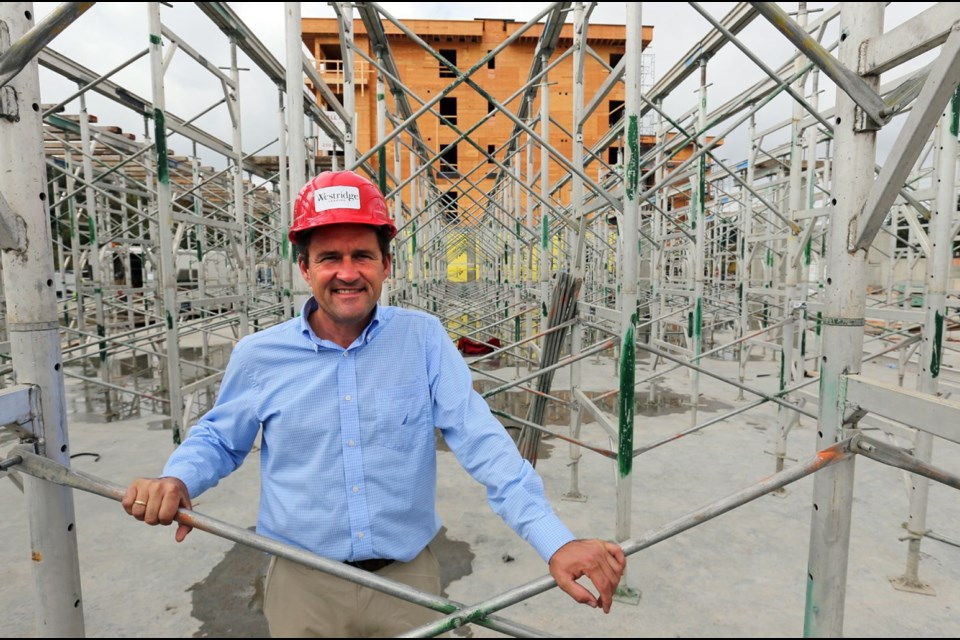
column 348, row 450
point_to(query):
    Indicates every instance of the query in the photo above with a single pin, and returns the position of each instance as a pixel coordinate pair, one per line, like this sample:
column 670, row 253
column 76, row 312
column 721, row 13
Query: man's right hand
column 156, row 501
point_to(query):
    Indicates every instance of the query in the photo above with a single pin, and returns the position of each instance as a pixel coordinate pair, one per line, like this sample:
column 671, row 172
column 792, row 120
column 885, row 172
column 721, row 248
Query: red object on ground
column 470, row 347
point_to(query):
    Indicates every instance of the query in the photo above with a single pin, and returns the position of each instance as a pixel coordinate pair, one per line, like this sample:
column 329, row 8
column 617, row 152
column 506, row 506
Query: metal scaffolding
column 134, row 268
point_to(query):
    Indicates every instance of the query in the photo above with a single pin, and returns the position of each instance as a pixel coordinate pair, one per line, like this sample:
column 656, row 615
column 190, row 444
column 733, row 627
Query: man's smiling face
column 345, row 270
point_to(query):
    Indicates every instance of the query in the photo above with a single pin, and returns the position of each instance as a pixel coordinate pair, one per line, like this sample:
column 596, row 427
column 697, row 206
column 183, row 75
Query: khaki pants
column 300, row 602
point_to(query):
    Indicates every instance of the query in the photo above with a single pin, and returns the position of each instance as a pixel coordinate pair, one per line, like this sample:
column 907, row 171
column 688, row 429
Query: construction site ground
column 740, row 574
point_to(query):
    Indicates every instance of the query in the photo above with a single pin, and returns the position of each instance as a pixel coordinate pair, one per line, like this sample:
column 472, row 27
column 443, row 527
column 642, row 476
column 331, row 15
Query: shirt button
column 361, row 535
column 351, row 443
column 345, row 354
column 347, row 397
column 356, row 489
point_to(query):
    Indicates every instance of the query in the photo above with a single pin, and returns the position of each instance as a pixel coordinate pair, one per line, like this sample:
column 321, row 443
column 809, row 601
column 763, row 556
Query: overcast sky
column 110, row 33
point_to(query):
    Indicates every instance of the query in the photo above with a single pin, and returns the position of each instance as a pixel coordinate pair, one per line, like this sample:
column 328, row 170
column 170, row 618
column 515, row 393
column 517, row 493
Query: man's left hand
column 602, row 562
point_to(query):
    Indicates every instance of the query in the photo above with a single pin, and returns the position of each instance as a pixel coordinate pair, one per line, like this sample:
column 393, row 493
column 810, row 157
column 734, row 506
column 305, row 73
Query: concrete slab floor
column 741, row 574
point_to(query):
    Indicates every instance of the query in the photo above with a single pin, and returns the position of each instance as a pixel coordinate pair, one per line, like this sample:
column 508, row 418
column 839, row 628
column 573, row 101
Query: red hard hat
column 336, row 197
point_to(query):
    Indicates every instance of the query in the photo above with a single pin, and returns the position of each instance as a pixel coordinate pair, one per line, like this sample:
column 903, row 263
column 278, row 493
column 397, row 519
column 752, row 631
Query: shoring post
column 822, row 265
column 311, row 142
column 240, row 238
column 576, row 208
column 128, row 273
column 201, row 240
column 698, row 211
column 657, row 301
column 152, row 303
column 416, row 251
column 415, row 211
column 168, row 267
column 382, row 159
column 629, row 229
column 518, row 255
column 745, row 268
column 255, row 237
column 285, row 263
column 75, row 258
column 843, row 328
column 628, row 307
column 93, row 254
column 436, row 269
column 528, row 179
column 61, row 258
column 811, row 134
column 399, row 268
column 544, row 270
column 296, row 164
column 891, row 262
column 934, row 302
column 791, row 297
column 33, row 331
column 503, row 266
column 626, row 593
column 349, row 84
column 771, row 276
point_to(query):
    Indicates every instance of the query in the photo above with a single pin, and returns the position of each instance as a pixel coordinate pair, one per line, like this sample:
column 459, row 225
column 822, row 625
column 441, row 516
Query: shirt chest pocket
column 403, row 417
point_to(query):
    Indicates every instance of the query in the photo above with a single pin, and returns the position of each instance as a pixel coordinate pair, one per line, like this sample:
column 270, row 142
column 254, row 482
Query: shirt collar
column 369, row 332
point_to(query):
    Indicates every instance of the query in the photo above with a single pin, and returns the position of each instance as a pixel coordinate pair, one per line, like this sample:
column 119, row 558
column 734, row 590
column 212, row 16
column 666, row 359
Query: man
column 346, row 398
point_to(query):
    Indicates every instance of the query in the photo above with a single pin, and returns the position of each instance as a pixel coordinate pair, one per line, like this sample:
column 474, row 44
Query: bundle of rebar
column 563, row 307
